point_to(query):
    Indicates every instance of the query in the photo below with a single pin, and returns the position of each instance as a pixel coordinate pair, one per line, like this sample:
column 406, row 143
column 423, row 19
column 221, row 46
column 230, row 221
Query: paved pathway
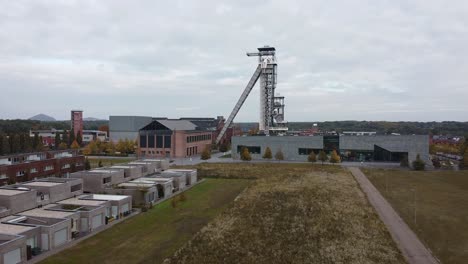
column 413, row 250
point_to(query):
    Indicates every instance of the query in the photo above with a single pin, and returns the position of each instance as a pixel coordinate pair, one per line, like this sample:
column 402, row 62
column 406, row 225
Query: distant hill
column 42, row 117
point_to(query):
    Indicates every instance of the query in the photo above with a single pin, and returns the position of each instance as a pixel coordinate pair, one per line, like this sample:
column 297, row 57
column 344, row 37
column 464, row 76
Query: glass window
column 159, row 141
column 167, row 141
column 143, row 142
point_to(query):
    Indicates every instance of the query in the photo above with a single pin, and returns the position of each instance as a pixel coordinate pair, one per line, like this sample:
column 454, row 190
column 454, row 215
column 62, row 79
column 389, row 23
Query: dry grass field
column 292, row 213
column 441, row 202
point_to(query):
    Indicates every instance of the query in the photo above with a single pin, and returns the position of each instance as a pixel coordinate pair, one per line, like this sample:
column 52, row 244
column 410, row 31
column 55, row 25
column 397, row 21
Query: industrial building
column 172, row 139
column 28, row 166
column 351, row 148
column 129, row 127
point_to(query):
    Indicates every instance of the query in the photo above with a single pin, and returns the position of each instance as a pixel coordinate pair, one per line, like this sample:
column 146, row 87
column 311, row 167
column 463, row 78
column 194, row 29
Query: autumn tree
column 322, row 156
column 62, row 146
column 312, row 157
column 245, row 154
column 267, row 154
column 335, row 158
column 110, row 148
column 206, row 154
column 75, row 145
column 279, row 155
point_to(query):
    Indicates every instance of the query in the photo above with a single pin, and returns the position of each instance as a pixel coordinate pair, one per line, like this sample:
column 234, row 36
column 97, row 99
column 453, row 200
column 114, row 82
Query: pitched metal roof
column 178, row 124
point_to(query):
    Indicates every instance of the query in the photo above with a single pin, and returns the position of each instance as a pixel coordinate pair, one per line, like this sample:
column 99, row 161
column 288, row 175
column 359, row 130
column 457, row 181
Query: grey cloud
column 395, row 60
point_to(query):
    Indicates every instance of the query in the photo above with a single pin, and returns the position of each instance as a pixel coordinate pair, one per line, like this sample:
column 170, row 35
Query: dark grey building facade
column 350, row 148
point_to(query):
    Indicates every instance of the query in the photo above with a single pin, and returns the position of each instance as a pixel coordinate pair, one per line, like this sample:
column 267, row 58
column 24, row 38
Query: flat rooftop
column 43, row 212
column 141, row 184
column 8, row 192
column 103, row 171
column 155, row 179
column 105, row 197
column 14, row 229
column 77, row 201
column 42, row 183
column 124, row 167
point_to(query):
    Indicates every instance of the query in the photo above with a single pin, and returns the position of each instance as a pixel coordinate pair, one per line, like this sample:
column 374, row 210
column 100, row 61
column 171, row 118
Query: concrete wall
column 92, row 182
column 179, row 179
column 139, row 196
column 289, row 145
column 19, row 202
column 14, row 242
column 190, row 175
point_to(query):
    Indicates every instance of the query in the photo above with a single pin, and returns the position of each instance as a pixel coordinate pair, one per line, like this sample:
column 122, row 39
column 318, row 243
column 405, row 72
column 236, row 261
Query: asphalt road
column 411, row 247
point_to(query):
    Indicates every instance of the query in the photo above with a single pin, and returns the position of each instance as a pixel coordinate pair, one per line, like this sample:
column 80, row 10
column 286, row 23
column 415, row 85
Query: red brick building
column 172, row 139
column 77, row 121
column 28, row 166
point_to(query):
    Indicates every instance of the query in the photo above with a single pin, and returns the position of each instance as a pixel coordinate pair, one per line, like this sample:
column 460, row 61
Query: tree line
column 17, row 126
column 23, row 143
column 381, row 127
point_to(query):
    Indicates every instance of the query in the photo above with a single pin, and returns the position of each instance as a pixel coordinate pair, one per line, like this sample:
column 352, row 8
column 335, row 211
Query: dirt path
column 411, row 247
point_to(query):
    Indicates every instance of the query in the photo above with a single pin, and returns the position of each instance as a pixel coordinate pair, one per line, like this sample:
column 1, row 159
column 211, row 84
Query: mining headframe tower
column 271, row 120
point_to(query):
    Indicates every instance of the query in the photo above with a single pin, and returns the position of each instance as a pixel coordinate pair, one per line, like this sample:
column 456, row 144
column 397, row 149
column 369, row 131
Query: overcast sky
column 337, row 60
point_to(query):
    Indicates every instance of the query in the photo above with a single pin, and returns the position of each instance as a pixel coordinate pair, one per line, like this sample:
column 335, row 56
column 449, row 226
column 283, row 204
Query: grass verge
column 441, row 202
column 94, row 162
column 152, row 236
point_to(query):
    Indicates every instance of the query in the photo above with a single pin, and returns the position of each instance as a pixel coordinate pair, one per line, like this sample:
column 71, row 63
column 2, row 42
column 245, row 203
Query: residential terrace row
column 45, row 214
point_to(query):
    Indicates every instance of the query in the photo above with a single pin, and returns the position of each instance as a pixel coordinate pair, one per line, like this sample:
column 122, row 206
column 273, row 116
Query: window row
column 252, row 149
column 161, row 141
column 192, row 151
column 197, row 138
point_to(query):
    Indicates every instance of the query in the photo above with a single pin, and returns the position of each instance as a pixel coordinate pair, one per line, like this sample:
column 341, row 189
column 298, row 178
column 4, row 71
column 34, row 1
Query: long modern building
column 351, row 148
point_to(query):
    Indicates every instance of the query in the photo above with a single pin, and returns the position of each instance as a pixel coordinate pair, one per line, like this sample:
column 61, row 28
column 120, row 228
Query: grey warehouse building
column 351, row 148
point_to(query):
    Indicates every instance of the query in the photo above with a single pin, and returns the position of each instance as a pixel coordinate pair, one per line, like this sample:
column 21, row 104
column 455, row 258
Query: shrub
column 182, row 197
column 279, row 155
column 418, row 163
column 404, row 161
column 267, row 154
column 100, row 164
column 322, row 156
column 245, row 154
column 436, row 163
column 223, row 147
column 174, row 202
column 206, row 154
column 312, row 157
column 334, row 158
